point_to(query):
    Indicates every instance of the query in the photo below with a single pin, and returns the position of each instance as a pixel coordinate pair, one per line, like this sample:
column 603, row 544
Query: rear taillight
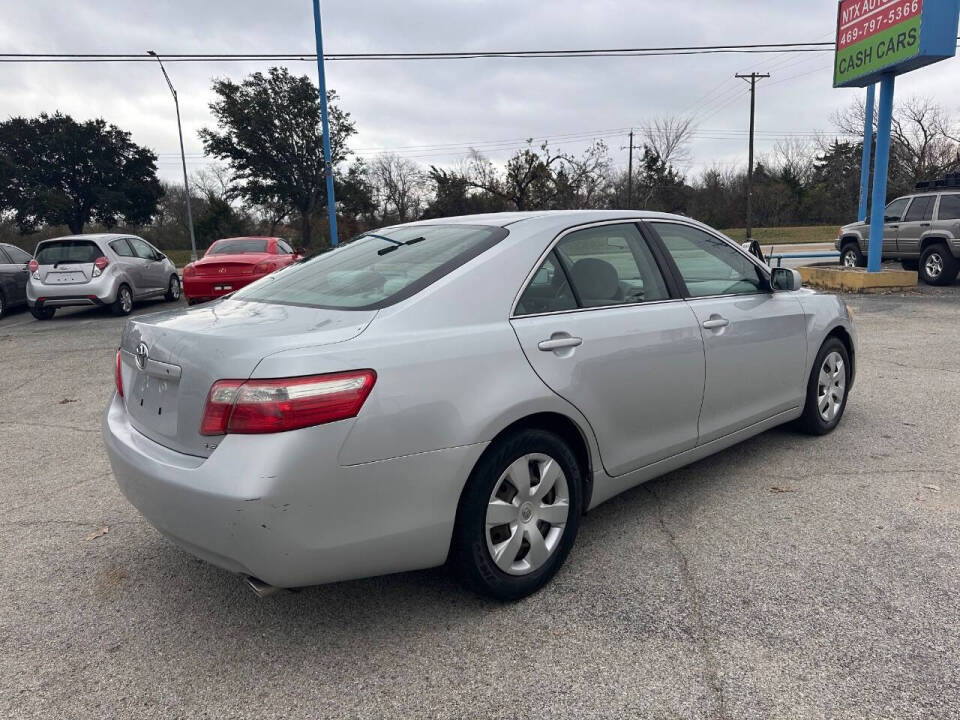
column 118, row 377
column 99, row 265
column 265, row 267
column 34, row 267
column 269, row 406
column 189, row 270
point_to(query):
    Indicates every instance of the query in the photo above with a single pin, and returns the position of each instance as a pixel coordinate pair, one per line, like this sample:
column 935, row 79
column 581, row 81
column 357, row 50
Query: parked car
column 922, row 231
column 234, row 263
column 13, row 277
column 105, row 269
column 461, row 389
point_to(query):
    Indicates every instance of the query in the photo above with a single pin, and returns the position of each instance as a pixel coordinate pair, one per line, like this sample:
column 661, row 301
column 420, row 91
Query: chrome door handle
column 560, row 343
column 924, row 224
column 715, row 323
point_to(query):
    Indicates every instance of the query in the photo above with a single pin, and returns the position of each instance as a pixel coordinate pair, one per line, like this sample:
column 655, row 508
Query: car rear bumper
column 280, row 508
column 99, row 291
column 210, row 287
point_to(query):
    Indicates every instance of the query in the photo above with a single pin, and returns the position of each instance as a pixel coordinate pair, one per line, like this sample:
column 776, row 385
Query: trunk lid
column 228, row 264
column 187, row 351
column 66, row 273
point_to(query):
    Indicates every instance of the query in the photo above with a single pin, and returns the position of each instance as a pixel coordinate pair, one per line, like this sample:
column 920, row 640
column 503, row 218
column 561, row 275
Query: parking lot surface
column 788, row 577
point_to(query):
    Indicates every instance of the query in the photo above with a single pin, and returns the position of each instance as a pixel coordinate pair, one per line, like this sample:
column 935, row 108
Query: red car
column 230, row 264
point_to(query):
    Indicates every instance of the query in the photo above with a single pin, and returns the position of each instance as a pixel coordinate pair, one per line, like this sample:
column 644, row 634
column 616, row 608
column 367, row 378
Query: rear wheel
column 173, row 289
column 124, row 302
column 827, row 389
column 519, row 515
column 851, row 256
column 937, row 265
column 42, row 313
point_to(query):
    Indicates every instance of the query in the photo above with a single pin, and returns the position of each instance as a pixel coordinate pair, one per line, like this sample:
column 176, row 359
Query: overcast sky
column 453, row 103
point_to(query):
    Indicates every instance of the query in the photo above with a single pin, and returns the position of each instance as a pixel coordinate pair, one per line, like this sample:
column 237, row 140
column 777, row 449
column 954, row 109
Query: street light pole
column 183, row 158
column 325, row 127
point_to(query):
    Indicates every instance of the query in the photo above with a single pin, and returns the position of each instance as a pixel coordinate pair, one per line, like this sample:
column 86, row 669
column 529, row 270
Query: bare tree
column 400, row 184
column 795, row 158
column 669, row 136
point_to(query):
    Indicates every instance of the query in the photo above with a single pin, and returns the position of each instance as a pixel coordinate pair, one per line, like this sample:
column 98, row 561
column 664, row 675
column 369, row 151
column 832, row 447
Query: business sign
column 883, row 37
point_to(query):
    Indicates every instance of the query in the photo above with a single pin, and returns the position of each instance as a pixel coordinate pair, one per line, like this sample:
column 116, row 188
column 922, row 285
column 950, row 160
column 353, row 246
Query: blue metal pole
column 327, row 164
column 881, row 164
column 867, row 145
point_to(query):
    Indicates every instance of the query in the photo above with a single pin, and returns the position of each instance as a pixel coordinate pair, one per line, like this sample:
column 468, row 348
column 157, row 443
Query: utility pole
column 752, row 78
column 183, row 157
column 630, row 175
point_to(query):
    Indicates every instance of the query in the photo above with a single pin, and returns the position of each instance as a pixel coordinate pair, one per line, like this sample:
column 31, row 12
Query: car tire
column 851, row 256
column 173, row 289
column 124, row 302
column 937, row 265
column 824, row 405
column 911, row 265
column 42, row 313
column 511, row 469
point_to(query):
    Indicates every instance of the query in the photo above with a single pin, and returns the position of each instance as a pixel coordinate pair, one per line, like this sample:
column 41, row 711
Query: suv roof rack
column 950, row 180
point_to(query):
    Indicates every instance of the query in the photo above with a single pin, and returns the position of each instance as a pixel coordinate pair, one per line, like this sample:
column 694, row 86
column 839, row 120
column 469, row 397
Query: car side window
column 709, row 266
column 142, row 249
column 284, row 248
column 4, row 258
column 548, row 291
column 121, row 248
column 611, row 265
column 920, row 209
column 894, row 210
column 949, row 207
column 18, row 256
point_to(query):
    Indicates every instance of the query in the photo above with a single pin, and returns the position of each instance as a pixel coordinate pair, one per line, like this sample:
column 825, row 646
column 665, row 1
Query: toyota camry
column 461, row 390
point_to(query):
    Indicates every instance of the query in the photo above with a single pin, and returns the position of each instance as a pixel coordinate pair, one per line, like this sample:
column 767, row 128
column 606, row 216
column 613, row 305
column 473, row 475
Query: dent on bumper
column 291, row 515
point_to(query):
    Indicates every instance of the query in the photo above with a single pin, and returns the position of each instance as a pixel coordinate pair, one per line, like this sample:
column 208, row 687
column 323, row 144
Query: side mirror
column 302, row 252
column 782, row 278
column 753, row 247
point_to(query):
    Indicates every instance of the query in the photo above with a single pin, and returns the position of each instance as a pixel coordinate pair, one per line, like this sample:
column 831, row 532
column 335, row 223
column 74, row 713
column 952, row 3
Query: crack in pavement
column 689, row 584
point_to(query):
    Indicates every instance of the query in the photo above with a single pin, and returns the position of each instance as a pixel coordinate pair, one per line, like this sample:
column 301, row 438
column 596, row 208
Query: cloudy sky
column 414, row 107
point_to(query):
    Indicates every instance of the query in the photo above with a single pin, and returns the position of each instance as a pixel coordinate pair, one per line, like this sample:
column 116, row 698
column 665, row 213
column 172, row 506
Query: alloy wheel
column 934, row 265
column 175, row 288
column 849, row 259
column 527, row 513
column 832, row 386
column 126, row 300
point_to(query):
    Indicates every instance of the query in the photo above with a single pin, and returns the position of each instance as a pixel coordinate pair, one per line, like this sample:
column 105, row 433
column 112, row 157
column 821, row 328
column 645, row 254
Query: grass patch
column 178, row 257
column 787, row 235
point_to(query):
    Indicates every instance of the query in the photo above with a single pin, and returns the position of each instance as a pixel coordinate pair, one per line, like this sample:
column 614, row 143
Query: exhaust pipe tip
column 259, row 587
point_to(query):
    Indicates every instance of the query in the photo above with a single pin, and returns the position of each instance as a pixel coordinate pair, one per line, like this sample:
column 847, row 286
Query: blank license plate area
column 62, row 278
column 153, row 403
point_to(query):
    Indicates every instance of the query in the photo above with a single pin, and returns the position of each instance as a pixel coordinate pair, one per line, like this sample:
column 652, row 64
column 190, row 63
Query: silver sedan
column 461, row 389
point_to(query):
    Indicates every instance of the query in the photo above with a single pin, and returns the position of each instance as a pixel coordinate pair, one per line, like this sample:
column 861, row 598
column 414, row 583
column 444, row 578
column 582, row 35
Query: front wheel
column 124, row 302
column 518, row 516
column 852, row 257
column 827, row 389
column 173, row 289
column 938, row 266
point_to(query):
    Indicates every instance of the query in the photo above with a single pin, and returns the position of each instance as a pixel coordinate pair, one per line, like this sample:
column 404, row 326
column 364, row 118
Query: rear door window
column 375, row 270
column 920, row 209
column 122, row 248
column 53, row 252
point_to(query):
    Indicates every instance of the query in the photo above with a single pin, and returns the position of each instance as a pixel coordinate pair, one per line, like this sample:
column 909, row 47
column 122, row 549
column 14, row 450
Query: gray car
column 13, row 277
column 461, row 389
column 922, row 231
column 91, row 270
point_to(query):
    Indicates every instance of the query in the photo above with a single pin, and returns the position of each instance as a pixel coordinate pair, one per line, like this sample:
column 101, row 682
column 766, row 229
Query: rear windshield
column 373, row 272
column 68, row 251
column 237, row 247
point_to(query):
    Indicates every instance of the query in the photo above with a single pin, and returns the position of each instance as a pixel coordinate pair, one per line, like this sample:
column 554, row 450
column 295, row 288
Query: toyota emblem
column 141, row 355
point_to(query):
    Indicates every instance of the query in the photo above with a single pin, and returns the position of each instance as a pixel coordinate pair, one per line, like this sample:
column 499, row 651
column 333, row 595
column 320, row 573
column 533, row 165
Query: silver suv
column 112, row 270
column 922, row 231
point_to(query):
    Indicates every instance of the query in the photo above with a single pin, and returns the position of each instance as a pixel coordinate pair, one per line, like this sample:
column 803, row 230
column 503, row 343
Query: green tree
column 56, row 171
column 271, row 137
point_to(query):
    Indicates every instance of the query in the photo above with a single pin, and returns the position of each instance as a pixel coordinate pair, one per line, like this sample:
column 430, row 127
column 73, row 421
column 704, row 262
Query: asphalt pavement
column 789, row 577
